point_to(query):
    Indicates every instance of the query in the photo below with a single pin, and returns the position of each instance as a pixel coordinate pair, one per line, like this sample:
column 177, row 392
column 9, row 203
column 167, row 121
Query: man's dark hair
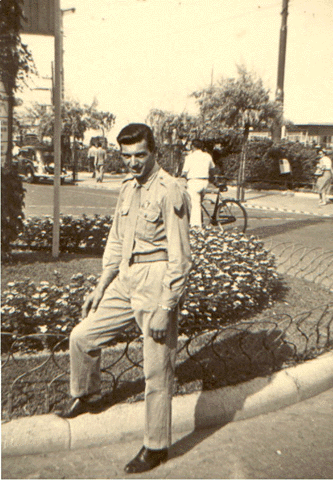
column 135, row 133
column 196, row 143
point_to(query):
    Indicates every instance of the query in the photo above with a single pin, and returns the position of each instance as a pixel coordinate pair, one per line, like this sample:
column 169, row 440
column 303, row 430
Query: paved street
column 295, row 442
column 270, row 222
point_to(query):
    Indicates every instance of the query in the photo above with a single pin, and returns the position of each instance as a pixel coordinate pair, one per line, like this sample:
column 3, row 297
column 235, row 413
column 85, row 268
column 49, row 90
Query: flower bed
column 232, row 275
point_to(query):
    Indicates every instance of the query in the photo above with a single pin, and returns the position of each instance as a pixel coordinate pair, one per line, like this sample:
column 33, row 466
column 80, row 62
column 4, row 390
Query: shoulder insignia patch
column 174, row 190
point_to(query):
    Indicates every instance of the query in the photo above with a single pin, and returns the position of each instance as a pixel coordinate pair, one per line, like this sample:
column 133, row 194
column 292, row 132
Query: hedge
column 77, row 234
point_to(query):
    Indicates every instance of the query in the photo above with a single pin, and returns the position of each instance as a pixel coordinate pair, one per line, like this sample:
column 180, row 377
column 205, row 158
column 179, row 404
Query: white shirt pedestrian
column 196, row 169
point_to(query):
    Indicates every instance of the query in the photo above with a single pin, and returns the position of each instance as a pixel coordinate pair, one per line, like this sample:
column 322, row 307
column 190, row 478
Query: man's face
column 138, row 159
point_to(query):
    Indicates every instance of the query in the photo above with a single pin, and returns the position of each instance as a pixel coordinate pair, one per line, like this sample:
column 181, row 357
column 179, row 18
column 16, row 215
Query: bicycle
column 228, row 213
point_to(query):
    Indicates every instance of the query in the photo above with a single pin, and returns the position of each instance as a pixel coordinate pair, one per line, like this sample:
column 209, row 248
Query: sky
column 135, row 55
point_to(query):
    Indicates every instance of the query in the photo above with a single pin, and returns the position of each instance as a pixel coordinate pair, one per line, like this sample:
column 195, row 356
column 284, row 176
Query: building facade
column 315, row 134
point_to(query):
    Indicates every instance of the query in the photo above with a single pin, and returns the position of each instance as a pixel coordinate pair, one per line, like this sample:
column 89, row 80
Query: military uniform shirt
column 161, row 224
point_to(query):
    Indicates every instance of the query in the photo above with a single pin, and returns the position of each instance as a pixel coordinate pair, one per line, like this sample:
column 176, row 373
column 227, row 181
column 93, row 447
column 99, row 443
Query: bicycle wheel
column 231, row 216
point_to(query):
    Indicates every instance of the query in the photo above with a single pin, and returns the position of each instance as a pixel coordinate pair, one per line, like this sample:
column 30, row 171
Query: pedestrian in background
column 100, row 160
column 324, row 173
column 92, row 157
column 286, row 172
column 196, row 170
column 146, row 264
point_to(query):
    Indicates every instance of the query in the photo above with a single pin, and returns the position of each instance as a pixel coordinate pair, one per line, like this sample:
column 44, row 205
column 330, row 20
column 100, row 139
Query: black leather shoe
column 77, row 407
column 146, row 459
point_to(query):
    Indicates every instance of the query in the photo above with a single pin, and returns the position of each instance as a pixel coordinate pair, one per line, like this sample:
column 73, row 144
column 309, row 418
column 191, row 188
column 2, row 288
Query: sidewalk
column 294, row 442
column 306, row 203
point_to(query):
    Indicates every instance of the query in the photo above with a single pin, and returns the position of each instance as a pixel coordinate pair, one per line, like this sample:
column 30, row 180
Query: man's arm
column 186, row 167
column 111, row 261
column 92, row 301
column 175, row 212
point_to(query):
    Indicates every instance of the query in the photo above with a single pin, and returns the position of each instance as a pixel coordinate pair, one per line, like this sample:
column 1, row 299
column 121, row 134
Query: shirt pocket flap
column 149, row 214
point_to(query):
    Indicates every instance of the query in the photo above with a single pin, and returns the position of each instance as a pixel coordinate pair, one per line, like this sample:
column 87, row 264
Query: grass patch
column 40, row 266
column 258, row 346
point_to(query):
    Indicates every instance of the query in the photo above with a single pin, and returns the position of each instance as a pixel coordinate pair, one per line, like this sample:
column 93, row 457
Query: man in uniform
column 196, row 169
column 145, row 268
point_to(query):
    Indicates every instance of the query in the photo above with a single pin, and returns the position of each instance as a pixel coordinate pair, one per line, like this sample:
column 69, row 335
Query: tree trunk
column 10, row 127
column 242, row 165
column 74, row 160
column 73, row 155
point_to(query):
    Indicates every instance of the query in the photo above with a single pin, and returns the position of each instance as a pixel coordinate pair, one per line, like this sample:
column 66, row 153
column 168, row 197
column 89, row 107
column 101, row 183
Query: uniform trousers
column 132, row 296
column 196, row 189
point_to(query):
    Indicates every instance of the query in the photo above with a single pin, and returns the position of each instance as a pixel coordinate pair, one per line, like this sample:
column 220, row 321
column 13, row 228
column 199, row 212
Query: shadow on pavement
column 271, row 230
column 250, row 355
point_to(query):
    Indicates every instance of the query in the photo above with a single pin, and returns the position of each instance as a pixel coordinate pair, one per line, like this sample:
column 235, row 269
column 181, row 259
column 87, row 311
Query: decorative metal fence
column 312, row 264
column 38, row 383
column 233, row 353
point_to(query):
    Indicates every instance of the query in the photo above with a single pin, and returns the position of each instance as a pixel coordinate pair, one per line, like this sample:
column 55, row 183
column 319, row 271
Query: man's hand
column 159, row 324
column 92, row 301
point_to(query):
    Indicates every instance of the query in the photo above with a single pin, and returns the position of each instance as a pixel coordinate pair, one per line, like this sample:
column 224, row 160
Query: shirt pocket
column 147, row 222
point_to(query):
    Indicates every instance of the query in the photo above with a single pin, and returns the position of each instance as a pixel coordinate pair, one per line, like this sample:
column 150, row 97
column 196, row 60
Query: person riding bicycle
column 197, row 167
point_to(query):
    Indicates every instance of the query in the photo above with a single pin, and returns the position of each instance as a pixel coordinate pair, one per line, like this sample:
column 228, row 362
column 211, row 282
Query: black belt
column 159, row 256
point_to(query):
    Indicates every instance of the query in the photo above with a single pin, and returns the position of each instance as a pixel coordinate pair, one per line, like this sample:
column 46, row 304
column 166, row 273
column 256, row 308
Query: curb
column 49, row 433
column 287, row 210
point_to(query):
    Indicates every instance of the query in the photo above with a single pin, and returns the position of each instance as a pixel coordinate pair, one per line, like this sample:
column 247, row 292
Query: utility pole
column 57, row 128
column 63, row 12
column 279, row 95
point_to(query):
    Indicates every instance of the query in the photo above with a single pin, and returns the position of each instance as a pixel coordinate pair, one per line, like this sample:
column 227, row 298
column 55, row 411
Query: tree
column 99, row 119
column 172, row 131
column 172, row 128
column 238, row 103
column 16, row 62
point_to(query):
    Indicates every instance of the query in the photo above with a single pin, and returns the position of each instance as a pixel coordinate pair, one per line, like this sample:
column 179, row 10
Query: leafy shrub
column 114, row 162
column 88, row 234
column 12, row 203
column 232, row 276
column 262, row 163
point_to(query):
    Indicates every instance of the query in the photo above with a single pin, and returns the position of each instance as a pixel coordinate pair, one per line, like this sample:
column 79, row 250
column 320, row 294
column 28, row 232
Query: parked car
column 36, row 162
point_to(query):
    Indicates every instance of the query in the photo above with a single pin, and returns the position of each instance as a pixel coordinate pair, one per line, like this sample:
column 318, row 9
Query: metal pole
column 282, row 52
column 279, row 95
column 57, row 127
